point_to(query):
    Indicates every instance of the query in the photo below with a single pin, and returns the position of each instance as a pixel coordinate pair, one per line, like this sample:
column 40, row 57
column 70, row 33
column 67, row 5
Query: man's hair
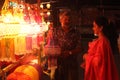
column 64, row 13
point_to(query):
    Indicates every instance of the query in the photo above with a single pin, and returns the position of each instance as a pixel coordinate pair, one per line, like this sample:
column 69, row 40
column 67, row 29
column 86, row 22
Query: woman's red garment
column 99, row 63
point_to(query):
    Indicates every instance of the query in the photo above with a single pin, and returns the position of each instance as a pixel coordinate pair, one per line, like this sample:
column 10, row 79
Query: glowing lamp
column 41, row 6
column 48, row 13
column 48, row 5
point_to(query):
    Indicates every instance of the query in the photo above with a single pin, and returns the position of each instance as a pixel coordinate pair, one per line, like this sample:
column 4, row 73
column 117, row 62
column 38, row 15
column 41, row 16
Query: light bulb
column 48, row 5
column 48, row 13
column 41, row 6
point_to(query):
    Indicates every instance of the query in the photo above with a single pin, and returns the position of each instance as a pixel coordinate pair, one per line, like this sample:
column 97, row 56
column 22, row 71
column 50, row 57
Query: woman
column 99, row 62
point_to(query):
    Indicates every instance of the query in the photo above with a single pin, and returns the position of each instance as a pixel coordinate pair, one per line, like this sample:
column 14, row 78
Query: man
column 69, row 40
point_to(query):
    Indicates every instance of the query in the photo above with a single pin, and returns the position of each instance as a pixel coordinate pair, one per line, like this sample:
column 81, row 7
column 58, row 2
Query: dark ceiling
column 77, row 2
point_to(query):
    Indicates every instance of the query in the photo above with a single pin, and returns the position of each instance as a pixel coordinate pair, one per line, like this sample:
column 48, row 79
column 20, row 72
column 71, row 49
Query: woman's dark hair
column 102, row 21
column 109, row 30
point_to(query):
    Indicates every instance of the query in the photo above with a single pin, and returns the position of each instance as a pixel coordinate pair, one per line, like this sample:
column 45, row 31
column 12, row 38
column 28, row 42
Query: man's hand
column 65, row 54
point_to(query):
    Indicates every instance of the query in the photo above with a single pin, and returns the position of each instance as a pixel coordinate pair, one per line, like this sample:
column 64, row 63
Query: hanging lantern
column 28, row 70
column 18, row 76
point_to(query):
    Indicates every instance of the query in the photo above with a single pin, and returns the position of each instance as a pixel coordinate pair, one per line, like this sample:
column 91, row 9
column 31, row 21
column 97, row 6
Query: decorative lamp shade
column 18, row 76
column 28, row 70
column 39, row 69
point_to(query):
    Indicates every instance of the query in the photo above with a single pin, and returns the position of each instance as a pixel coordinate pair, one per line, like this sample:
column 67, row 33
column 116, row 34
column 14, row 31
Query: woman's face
column 96, row 29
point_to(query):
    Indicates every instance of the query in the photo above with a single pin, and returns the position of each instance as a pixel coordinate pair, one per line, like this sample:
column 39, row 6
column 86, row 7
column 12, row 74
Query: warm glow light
column 7, row 18
column 10, row 18
column 34, row 61
column 9, row 29
column 48, row 13
column 45, row 26
column 48, row 5
column 41, row 6
column 48, row 23
column 41, row 13
column 21, row 29
column 30, row 29
column 28, row 8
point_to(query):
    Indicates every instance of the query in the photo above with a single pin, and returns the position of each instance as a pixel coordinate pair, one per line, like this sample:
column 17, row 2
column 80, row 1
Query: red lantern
column 26, row 72
column 18, row 76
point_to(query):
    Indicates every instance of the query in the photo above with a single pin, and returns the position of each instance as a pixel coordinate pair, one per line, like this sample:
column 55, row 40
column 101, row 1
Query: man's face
column 65, row 20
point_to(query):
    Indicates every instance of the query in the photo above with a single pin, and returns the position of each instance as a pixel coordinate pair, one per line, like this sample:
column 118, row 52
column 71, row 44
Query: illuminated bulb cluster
column 15, row 28
column 47, row 5
column 45, row 11
column 23, row 29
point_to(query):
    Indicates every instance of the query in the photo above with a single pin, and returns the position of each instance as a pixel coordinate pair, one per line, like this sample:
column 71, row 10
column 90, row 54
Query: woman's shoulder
column 103, row 41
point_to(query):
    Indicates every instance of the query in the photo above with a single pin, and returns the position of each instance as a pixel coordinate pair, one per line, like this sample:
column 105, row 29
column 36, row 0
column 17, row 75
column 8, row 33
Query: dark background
column 77, row 2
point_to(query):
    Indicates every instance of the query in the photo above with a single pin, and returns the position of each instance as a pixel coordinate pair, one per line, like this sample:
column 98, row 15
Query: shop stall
column 22, row 39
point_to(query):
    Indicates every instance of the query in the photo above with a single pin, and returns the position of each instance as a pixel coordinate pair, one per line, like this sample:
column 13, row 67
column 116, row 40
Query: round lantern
column 38, row 68
column 18, row 76
column 28, row 70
